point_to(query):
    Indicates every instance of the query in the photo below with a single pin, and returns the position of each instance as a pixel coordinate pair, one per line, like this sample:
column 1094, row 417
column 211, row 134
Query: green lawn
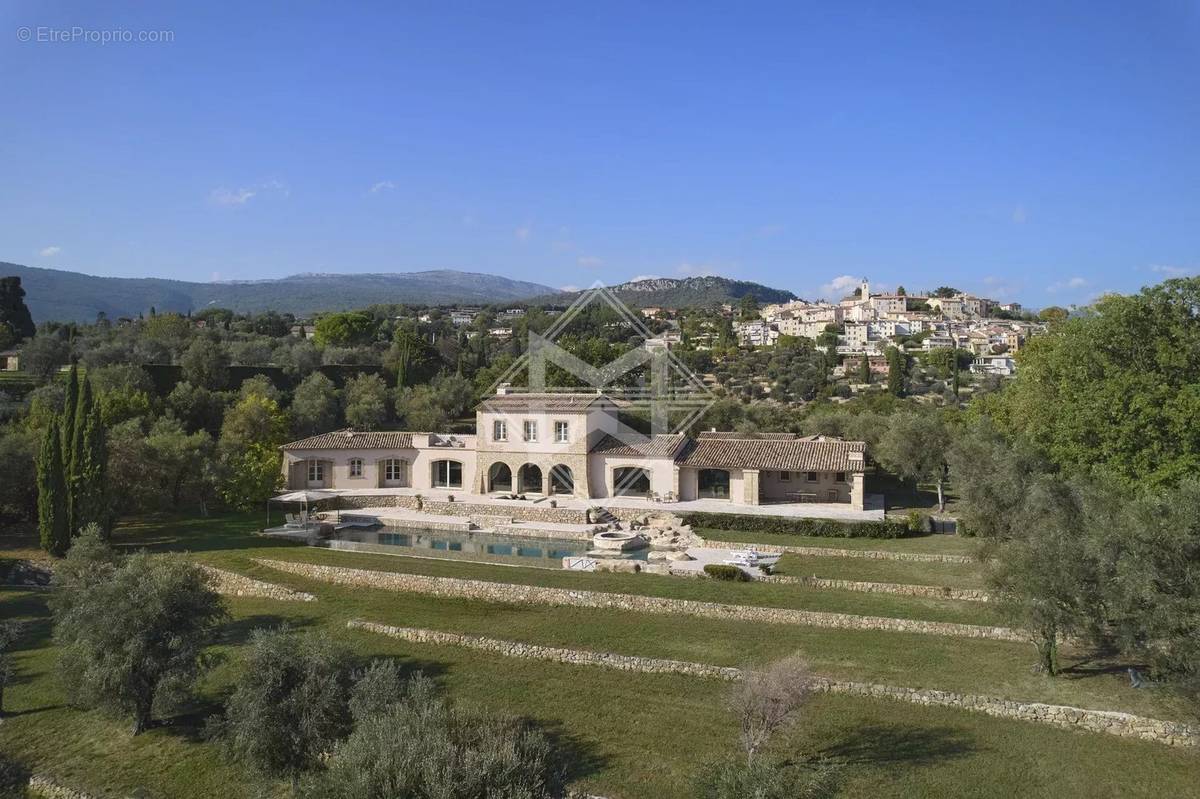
column 955, row 575
column 931, row 544
column 632, row 735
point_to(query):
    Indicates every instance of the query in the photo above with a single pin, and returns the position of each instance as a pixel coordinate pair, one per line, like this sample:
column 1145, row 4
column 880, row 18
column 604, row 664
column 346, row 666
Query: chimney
column 503, row 389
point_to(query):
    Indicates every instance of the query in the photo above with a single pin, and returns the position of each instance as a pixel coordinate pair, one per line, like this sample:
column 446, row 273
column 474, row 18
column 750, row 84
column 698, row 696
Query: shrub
column 722, row 571
column 826, row 528
column 764, row 779
column 422, row 746
column 916, row 522
column 290, row 705
column 14, row 777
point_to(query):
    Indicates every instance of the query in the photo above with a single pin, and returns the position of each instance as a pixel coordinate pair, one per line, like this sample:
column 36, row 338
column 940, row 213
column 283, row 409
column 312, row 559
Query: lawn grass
column 954, row 575
column 633, row 735
column 929, row 544
column 220, row 544
column 981, row 666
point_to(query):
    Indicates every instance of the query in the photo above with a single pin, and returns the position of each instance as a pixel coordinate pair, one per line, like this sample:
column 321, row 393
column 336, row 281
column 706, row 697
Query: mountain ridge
column 63, row 295
column 681, row 292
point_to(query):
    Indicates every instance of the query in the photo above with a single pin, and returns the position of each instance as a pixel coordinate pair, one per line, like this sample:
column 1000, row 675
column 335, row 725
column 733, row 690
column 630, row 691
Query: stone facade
column 234, row 584
column 1126, row 725
column 900, row 589
column 869, row 554
column 524, row 511
column 506, row 593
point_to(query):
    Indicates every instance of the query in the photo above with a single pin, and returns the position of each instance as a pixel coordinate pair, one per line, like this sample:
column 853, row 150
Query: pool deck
column 796, row 510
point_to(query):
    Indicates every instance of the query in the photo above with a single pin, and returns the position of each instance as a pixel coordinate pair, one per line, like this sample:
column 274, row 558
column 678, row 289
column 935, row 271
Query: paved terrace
column 795, row 510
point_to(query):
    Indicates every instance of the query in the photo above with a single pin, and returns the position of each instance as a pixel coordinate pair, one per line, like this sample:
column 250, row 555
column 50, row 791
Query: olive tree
column 914, row 447
column 290, row 705
column 420, row 745
column 132, row 630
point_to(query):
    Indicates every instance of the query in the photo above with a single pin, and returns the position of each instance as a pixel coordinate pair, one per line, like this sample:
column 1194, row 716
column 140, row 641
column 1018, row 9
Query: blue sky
column 1042, row 152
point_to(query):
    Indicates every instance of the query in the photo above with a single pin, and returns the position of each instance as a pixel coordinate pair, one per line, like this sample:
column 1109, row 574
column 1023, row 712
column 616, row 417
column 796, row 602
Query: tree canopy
column 1116, row 390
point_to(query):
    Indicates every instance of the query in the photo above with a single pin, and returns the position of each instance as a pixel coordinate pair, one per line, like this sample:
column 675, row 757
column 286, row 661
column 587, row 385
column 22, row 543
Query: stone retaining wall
column 554, row 654
column 44, row 787
column 484, row 591
column 869, row 554
column 901, row 589
column 1125, row 725
column 234, row 584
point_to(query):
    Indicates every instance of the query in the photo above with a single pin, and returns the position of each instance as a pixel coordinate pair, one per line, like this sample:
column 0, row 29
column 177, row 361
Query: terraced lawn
column 633, row 735
column 929, row 544
column 954, row 575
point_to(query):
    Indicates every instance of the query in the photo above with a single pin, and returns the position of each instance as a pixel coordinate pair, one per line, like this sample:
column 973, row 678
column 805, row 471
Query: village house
column 574, row 446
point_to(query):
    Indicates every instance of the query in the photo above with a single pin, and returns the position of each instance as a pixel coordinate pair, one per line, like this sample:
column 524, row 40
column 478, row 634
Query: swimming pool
column 466, row 545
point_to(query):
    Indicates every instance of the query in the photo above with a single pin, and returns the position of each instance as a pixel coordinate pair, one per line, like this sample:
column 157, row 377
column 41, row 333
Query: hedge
column 722, row 571
column 826, row 528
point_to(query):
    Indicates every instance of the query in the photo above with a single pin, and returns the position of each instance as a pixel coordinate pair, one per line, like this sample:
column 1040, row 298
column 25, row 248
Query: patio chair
column 743, row 557
column 651, row 496
column 670, row 497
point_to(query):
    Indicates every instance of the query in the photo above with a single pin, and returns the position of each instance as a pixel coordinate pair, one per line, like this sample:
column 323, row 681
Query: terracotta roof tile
column 788, row 455
column 717, row 434
column 659, row 446
column 354, row 439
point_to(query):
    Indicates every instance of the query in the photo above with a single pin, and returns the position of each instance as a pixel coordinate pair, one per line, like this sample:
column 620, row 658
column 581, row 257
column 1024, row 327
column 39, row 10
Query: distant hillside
column 683, row 292
column 54, row 294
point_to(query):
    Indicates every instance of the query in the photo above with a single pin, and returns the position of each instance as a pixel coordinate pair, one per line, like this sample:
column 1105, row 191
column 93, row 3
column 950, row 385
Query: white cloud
column 638, row 278
column 840, row 286
column 1160, row 269
column 225, row 196
column 568, row 288
column 1019, row 215
column 383, row 185
column 523, row 233
column 590, row 261
column 234, row 198
column 50, row 252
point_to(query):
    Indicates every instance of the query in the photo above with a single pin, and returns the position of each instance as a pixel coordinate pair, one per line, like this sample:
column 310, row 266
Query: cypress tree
column 86, row 467
column 92, row 472
column 53, row 525
column 70, row 401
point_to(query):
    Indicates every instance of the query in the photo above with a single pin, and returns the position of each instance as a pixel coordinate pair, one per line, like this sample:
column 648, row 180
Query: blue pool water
column 442, row 543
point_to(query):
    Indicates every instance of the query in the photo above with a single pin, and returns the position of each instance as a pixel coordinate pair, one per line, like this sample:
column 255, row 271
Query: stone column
column 858, row 493
column 750, row 486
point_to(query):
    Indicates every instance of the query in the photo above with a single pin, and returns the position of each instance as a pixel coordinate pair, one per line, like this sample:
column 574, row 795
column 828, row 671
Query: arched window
column 631, row 481
column 529, row 479
column 712, row 484
column 447, row 474
column 562, row 480
column 500, row 477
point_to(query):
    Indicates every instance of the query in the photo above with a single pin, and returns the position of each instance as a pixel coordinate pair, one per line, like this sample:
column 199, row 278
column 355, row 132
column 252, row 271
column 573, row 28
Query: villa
column 573, row 446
